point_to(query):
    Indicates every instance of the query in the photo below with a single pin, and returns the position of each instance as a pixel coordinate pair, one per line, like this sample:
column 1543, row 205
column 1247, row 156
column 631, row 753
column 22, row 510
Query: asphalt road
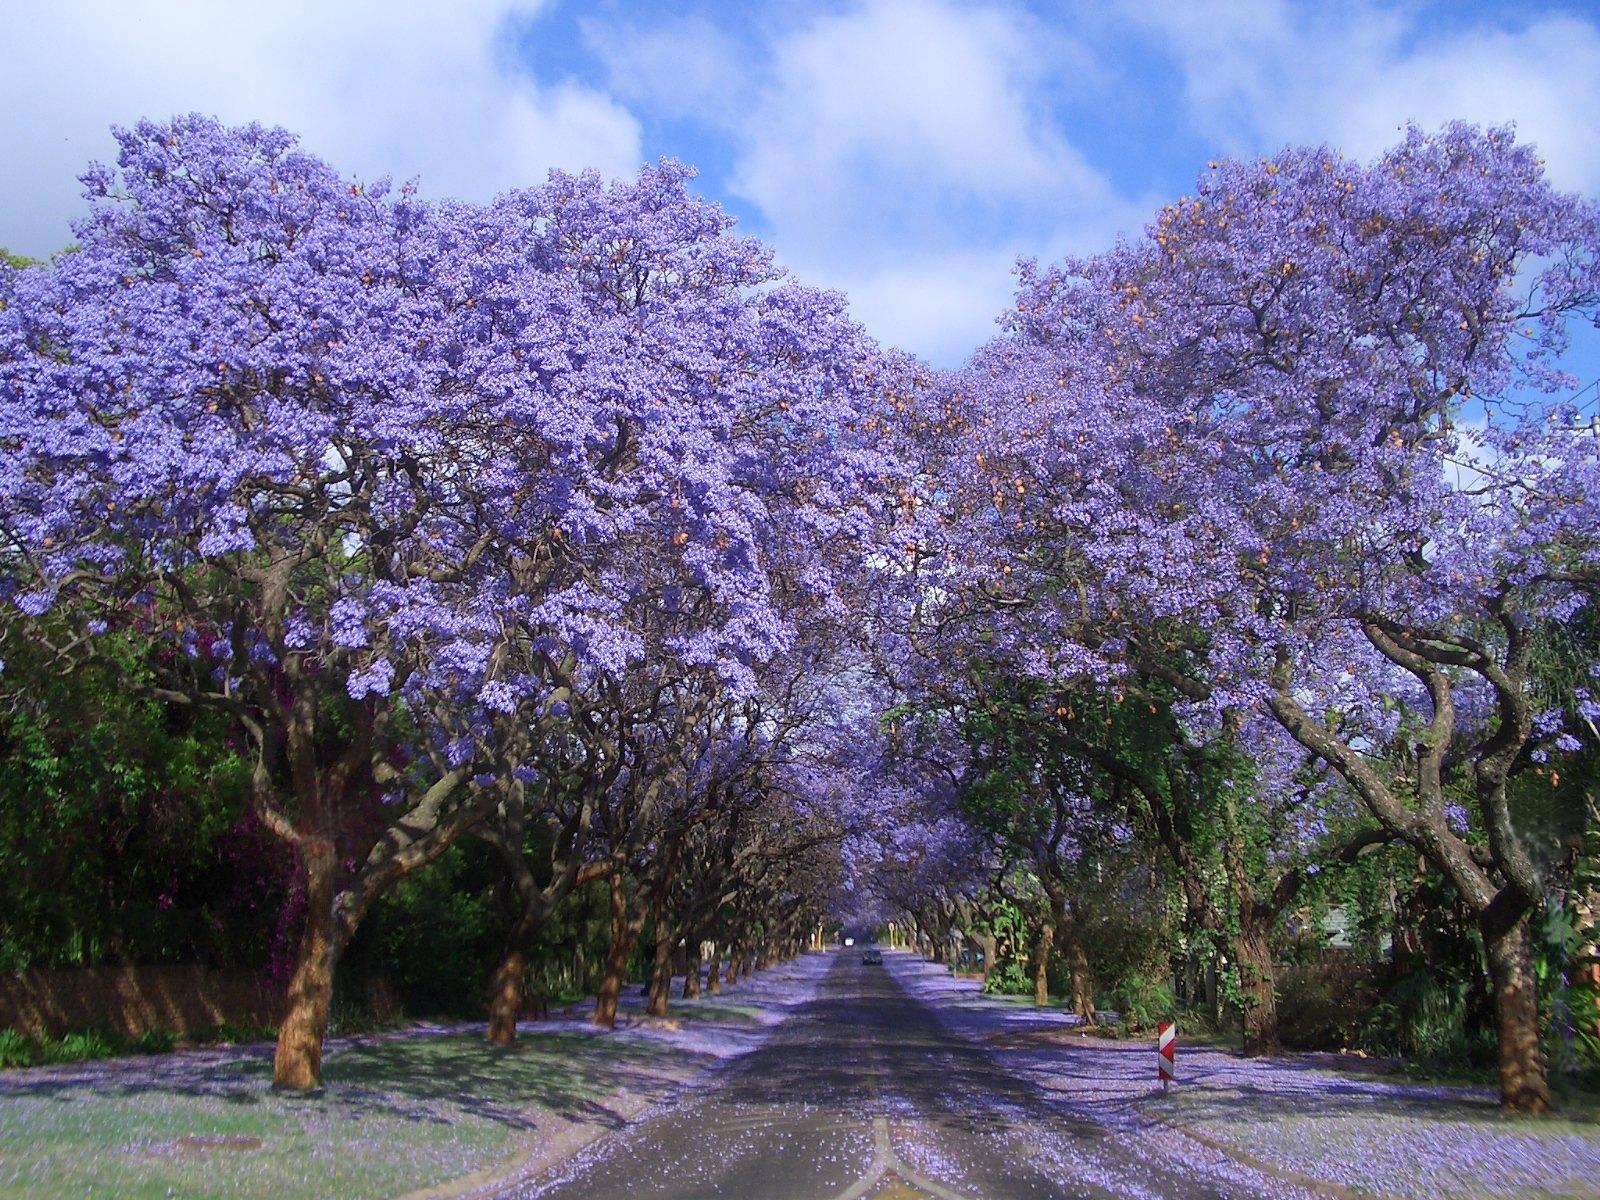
column 863, row 1093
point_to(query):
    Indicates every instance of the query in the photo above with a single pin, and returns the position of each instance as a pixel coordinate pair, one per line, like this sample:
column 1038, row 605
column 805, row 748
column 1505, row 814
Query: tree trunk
column 297, row 1063
column 507, row 991
column 691, row 976
column 1043, row 946
column 661, row 973
column 506, row 984
column 624, row 932
column 1082, row 980
column 505, row 997
column 1251, row 945
column 1524, row 1082
column 986, row 945
column 1253, row 952
column 714, row 972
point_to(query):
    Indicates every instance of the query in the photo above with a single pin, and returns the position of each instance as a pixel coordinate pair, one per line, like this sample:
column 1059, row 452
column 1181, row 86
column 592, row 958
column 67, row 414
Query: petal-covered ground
column 897, row 1080
column 1300, row 1116
column 399, row 1112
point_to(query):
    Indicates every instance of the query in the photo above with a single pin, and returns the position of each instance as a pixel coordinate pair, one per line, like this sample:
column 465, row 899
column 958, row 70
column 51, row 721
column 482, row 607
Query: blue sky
column 905, row 151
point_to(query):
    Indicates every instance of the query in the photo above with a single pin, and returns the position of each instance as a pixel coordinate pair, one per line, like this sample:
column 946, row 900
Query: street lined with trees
column 504, row 603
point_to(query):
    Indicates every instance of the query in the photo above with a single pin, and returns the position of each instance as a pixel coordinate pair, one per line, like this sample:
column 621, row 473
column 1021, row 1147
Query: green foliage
column 18, row 1050
column 1427, row 1023
column 114, row 810
column 349, row 1016
column 1127, row 945
column 1554, row 801
column 572, row 945
column 641, row 961
column 154, row 1041
column 15, row 1050
column 1324, row 1005
column 1401, row 917
column 436, row 936
column 1008, row 979
column 433, row 938
column 1142, row 1002
column 1008, row 924
column 1569, row 995
column 78, row 1047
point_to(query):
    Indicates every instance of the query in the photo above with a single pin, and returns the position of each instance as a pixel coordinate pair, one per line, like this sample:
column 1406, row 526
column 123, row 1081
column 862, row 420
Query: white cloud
column 900, row 150
column 406, row 89
column 942, row 304
column 905, row 115
column 904, row 151
column 1266, row 71
column 686, row 68
column 939, row 305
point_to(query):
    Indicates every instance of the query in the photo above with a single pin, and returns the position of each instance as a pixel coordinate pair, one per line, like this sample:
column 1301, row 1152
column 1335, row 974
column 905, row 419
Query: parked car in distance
column 873, row 958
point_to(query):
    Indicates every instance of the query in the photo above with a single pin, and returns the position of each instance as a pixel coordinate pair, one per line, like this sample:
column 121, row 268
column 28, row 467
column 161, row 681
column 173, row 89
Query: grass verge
column 1392, row 1140
column 393, row 1116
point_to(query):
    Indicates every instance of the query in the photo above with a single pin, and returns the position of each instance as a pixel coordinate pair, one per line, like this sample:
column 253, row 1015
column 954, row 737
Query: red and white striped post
column 1167, row 1052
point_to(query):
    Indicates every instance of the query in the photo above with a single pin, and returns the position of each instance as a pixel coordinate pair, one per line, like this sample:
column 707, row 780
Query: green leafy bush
column 1325, row 1005
column 154, row 1041
column 1569, row 995
column 432, row 938
column 123, row 824
column 16, row 1050
column 1428, row 1023
column 78, row 1047
column 1008, row 979
column 1142, row 1002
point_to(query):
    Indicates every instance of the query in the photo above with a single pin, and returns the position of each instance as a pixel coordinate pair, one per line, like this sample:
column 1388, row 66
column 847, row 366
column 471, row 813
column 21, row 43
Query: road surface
column 862, row 1092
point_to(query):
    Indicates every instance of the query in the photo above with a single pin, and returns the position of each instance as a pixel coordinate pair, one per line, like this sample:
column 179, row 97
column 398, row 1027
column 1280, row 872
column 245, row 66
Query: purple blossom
column 375, row 680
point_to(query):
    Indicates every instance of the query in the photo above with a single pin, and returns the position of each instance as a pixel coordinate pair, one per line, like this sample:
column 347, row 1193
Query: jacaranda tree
column 1289, row 452
column 417, row 488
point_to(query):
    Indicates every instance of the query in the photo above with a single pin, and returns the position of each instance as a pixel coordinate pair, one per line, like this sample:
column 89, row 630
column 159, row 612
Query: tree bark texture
column 297, row 1062
column 625, row 929
column 1043, row 947
column 1524, row 1079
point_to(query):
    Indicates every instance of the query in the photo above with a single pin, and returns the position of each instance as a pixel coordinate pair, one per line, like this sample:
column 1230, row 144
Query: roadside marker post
column 1167, row 1052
